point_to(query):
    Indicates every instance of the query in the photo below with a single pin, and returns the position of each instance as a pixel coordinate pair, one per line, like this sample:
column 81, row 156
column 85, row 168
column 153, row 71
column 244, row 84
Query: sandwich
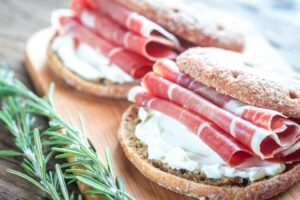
column 105, row 47
column 211, row 126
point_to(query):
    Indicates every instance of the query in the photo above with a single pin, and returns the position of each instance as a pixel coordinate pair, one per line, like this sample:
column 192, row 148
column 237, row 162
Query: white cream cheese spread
column 171, row 142
column 86, row 62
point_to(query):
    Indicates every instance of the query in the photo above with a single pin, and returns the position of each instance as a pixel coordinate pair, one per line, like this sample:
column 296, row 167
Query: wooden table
column 18, row 20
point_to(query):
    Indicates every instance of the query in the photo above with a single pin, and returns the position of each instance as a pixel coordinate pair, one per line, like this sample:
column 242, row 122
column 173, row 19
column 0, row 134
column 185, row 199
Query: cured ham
column 268, row 119
column 152, row 47
column 133, row 64
column 229, row 149
column 131, row 20
column 264, row 143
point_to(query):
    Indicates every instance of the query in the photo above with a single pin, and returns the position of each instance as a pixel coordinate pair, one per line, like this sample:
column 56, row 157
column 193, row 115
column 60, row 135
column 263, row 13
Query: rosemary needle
column 28, row 140
column 19, row 105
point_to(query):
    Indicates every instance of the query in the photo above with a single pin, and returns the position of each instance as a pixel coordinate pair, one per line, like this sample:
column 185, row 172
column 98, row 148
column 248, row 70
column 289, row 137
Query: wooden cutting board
column 102, row 117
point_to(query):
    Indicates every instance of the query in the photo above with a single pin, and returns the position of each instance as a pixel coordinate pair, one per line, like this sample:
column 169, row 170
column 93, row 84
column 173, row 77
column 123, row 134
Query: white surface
column 87, row 19
column 133, row 92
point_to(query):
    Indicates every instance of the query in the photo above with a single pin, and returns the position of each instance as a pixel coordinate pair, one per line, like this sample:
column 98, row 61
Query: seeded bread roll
column 103, row 87
column 232, row 74
column 201, row 26
column 181, row 182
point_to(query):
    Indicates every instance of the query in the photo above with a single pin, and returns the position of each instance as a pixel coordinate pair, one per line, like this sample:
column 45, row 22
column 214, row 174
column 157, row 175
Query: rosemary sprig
column 87, row 166
column 20, row 124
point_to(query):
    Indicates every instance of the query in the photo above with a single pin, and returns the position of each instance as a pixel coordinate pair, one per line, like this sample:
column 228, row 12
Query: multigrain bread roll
column 201, row 25
column 231, row 104
column 234, row 75
column 101, row 87
column 131, row 35
column 195, row 184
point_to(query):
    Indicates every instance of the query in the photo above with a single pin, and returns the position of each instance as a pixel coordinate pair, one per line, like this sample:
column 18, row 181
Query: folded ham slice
column 264, row 143
column 286, row 129
column 133, row 64
column 229, row 149
column 130, row 19
column 152, row 47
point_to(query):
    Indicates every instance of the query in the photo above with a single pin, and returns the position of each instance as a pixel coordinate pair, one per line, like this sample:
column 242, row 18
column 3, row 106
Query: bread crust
column 201, row 26
column 80, row 84
column 264, row 189
column 229, row 73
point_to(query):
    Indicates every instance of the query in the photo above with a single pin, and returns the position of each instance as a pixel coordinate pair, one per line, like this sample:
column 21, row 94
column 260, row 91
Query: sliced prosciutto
column 133, row 64
column 230, row 150
column 130, row 19
column 264, row 118
column 264, row 143
column 152, row 47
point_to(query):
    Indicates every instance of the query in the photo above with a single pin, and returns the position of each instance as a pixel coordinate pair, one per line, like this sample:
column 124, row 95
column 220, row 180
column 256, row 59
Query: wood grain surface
column 102, row 117
column 18, row 20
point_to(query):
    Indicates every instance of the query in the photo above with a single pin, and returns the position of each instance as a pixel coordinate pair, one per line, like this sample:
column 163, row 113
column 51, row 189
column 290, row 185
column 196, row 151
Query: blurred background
column 278, row 20
column 18, row 20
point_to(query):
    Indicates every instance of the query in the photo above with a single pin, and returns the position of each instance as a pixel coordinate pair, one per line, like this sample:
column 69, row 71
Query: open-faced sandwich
column 212, row 126
column 105, row 47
